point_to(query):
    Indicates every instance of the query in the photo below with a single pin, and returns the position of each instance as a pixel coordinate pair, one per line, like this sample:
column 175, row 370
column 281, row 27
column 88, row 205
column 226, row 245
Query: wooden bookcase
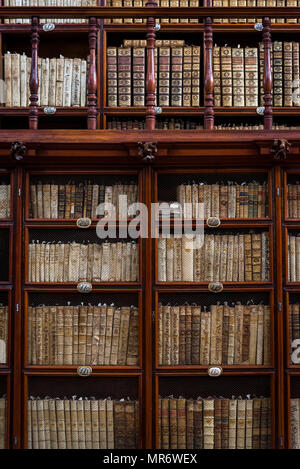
column 74, row 141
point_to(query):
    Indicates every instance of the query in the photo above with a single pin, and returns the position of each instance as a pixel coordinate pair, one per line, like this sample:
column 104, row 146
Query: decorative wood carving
column 147, row 150
column 268, row 81
column 209, row 78
column 150, row 70
column 280, row 149
column 34, row 79
column 92, row 76
column 18, row 150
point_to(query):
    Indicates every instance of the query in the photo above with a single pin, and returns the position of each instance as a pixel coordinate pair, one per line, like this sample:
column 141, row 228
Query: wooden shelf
column 61, row 111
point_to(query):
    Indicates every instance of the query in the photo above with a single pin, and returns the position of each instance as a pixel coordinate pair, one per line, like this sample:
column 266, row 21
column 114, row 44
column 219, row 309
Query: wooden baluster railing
column 34, row 78
column 150, row 70
column 209, row 77
column 92, row 76
column 268, row 81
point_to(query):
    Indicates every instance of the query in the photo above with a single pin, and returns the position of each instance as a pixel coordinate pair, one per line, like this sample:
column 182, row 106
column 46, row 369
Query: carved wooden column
column 92, row 76
column 150, row 70
column 34, row 78
column 268, row 82
column 208, row 77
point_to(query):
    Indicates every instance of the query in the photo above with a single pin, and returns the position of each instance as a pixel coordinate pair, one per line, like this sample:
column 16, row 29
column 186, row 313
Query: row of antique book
column 215, row 423
column 77, row 262
column 238, row 75
column 82, row 423
column 294, row 257
column 177, row 73
column 62, row 81
column 83, row 335
column 4, row 200
column 222, row 257
column 76, row 200
column 181, row 124
column 3, row 333
column 3, row 420
column 224, row 199
column 293, row 200
column 214, row 335
column 294, row 326
column 255, row 3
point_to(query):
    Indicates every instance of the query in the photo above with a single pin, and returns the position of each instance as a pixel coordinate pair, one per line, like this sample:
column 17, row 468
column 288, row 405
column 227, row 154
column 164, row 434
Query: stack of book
column 214, row 335
column 82, row 423
column 295, row 423
column 3, row 422
column 77, row 262
column 48, row 3
column 254, row 3
column 285, row 62
column 235, row 72
column 161, row 3
column 76, row 200
column 294, row 257
column 177, row 73
column 222, row 257
column 215, row 423
column 293, row 200
column 3, row 333
column 62, row 81
column 83, row 335
column 294, row 321
column 4, row 200
column 224, row 200
column 166, row 124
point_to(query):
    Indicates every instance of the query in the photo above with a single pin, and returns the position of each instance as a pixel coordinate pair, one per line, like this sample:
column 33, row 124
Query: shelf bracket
column 280, row 149
column 18, row 150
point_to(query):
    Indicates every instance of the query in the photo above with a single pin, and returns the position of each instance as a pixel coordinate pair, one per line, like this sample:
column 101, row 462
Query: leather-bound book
column 187, row 76
column 164, row 76
column 161, row 259
column 238, row 341
column 198, row 424
column 238, row 87
column 256, row 257
column 165, row 425
column 246, row 335
column 133, row 338
column 296, row 68
column 79, row 195
column 45, row 332
column 53, row 424
column 138, row 76
column 277, row 73
column 196, row 76
column 124, row 332
column 253, row 334
column 87, row 423
column 249, row 423
column 173, row 423
column 108, row 334
column 68, row 426
column 205, row 348
column 231, row 336
column 225, row 334
column 110, row 424
column 120, row 430
column 103, row 424
column 182, row 335
column 189, row 424
column 264, row 424
column 82, row 335
column 256, row 432
column 39, row 335
column 112, row 76
column 225, row 423
column 41, row 423
column 224, row 200
column 224, row 251
column 226, row 73
column 61, row 423
column 170, row 259
column 195, row 346
column 217, row 75
column 176, row 76
column 217, row 423
column 181, row 423
column 217, row 257
column 89, row 334
column 115, row 337
column 188, row 335
column 208, row 423
column 260, row 335
column 232, row 421
column 251, row 76
column 175, row 335
column 187, row 258
column 130, row 425
column 241, row 424
column 248, row 257
column 294, row 422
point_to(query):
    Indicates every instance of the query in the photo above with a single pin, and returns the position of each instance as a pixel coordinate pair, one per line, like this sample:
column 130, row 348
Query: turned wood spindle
column 34, row 78
column 268, row 82
column 92, row 76
column 209, row 77
column 150, row 71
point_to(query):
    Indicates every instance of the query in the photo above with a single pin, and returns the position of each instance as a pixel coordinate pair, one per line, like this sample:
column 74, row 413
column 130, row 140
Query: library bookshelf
column 75, row 143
